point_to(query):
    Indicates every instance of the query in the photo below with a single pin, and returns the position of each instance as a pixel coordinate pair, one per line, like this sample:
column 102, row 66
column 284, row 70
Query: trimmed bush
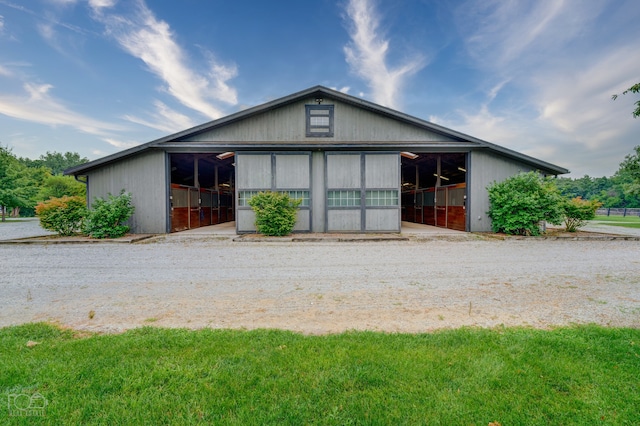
column 63, row 215
column 522, row 202
column 275, row 212
column 578, row 211
column 107, row 217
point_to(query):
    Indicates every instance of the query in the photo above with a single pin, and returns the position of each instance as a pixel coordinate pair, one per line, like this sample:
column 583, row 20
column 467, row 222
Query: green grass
column 583, row 375
column 626, row 222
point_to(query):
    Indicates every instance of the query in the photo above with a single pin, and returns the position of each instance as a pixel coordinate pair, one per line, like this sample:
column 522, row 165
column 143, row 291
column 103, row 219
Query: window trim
column 309, row 127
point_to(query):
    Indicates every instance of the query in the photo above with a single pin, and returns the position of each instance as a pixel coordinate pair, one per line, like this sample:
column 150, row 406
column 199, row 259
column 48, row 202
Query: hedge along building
column 357, row 166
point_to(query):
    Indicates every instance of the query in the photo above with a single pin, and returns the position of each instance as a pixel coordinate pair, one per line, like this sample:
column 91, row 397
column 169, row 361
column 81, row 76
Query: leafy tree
column 107, row 217
column 19, row 185
column 630, row 171
column 59, row 186
column 56, row 162
column 633, row 89
column 275, row 212
column 520, row 203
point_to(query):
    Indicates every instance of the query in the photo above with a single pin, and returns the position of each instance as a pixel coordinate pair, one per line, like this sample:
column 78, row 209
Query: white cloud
column 99, row 4
column 40, row 107
column 151, row 40
column 367, row 55
column 1, row 24
column 120, row 144
column 164, row 119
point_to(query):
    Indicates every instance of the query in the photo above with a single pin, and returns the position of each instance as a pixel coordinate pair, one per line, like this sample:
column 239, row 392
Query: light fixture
column 409, row 155
column 319, row 100
column 441, row 177
column 225, row 155
column 462, row 169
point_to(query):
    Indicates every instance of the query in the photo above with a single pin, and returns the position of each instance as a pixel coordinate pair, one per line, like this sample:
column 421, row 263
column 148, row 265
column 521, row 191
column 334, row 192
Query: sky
column 99, row 76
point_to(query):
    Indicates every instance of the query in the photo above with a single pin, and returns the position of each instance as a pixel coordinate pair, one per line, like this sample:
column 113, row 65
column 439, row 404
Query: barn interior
column 202, row 189
column 434, row 189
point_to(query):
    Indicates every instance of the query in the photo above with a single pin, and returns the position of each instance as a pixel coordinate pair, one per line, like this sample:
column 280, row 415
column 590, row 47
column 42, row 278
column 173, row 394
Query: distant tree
column 633, row 89
column 19, row 185
column 56, row 162
column 59, row 186
column 630, row 172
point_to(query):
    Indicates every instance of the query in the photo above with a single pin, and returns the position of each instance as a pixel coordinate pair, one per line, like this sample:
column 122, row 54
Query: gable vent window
column 319, row 121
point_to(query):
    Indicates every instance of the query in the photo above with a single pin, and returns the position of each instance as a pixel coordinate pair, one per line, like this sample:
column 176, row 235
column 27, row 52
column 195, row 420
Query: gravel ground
column 21, row 228
column 321, row 287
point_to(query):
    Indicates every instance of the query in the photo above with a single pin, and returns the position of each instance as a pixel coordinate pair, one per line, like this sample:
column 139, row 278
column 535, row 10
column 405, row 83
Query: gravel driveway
column 322, row 287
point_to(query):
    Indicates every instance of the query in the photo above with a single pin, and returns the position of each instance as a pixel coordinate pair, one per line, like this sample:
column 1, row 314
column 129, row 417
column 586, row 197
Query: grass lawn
column 516, row 376
column 626, row 222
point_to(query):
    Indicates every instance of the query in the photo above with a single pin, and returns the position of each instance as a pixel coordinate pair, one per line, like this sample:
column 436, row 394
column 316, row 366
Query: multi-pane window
column 381, row 198
column 319, row 120
column 244, row 197
column 300, row 195
column 343, row 198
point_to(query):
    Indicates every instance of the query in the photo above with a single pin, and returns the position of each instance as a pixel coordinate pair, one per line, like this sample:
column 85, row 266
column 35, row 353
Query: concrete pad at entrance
column 418, row 229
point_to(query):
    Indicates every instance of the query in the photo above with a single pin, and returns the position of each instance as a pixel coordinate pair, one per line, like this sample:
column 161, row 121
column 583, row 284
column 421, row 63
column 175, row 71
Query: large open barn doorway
column 434, row 189
column 202, row 190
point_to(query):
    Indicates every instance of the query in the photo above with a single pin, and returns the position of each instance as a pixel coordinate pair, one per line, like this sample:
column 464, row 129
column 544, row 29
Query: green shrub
column 106, row 217
column 275, row 212
column 520, row 203
column 63, row 215
column 577, row 211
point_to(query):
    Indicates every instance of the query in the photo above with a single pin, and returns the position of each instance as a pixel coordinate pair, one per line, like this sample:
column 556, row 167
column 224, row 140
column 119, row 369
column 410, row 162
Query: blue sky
column 99, row 76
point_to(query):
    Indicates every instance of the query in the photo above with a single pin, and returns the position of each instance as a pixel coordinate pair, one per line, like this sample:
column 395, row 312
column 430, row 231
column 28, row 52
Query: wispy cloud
column 1, row 24
column 151, row 40
column 367, row 55
column 120, row 144
column 37, row 105
column 164, row 119
column 549, row 75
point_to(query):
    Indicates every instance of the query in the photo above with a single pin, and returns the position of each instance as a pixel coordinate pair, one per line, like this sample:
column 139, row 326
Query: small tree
column 578, row 211
column 107, row 216
column 520, row 203
column 275, row 212
column 63, row 215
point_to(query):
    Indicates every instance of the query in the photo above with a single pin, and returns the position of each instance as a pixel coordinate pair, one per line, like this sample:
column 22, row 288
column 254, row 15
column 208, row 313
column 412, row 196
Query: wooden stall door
column 456, row 208
column 428, row 207
column 194, row 208
column 179, row 208
column 441, row 207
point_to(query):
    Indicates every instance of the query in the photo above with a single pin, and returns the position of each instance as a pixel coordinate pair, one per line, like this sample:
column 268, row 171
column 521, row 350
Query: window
column 303, row 195
column 244, row 197
column 343, row 198
column 380, row 198
column 319, row 120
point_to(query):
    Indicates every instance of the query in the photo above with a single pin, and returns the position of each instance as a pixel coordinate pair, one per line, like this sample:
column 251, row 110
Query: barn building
column 356, row 165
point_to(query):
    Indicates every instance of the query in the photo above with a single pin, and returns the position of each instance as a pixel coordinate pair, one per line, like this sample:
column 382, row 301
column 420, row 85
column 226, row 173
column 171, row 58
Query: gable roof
column 324, row 92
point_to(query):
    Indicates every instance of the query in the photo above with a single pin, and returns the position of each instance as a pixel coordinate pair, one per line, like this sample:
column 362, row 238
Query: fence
column 618, row 212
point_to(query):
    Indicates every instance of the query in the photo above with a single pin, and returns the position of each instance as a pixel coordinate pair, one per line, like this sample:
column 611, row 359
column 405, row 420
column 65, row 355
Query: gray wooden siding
column 343, row 171
column 287, row 124
column 344, row 220
column 144, row 176
column 292, row 172
column 382, row 171
column 318, row 200
column 273, row 172
column 253, row 171
column 484, row 169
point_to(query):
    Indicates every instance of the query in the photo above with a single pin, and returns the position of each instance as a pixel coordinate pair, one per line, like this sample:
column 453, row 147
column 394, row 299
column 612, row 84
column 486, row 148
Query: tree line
column 25, row 182
column 622, row 190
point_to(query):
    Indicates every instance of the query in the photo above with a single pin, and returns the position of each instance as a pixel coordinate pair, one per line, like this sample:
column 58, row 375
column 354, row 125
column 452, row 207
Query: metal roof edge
column 315, row 90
